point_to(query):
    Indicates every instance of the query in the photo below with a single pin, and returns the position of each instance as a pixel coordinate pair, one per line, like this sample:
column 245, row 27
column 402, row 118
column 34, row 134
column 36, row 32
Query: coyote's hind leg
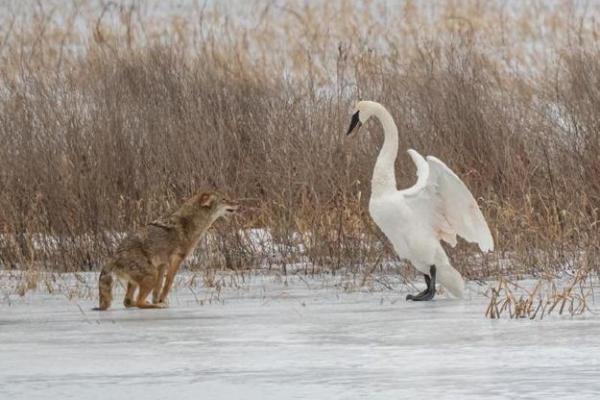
column 129, row 295
column 146, row 286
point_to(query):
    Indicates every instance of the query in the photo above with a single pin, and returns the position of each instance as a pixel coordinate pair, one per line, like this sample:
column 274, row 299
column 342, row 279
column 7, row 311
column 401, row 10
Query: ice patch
column 291, row 337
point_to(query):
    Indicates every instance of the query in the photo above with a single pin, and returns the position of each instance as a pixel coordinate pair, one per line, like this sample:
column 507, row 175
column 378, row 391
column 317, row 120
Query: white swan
column 438, row 207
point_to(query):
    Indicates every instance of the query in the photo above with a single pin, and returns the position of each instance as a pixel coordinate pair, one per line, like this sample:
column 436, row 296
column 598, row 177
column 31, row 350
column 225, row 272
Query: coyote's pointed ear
column 206, row 199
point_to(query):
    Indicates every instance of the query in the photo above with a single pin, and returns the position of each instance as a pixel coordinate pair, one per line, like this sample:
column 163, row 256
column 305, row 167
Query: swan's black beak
column 355, row 124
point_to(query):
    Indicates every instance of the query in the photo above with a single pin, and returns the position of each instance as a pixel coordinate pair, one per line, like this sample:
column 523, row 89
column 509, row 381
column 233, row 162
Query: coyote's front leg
column 160, row 277
column 171, row 271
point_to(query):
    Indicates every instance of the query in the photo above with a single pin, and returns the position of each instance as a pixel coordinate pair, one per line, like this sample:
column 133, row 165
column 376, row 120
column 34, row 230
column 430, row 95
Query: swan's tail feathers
column 451, row 279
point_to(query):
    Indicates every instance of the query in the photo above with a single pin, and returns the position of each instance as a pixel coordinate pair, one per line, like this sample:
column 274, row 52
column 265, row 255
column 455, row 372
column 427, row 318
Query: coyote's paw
column 162, row 305
column 128, row 303
column 165, row 301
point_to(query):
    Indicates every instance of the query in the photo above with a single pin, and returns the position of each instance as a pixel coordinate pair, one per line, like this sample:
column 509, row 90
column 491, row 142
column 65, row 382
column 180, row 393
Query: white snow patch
column 286, row 337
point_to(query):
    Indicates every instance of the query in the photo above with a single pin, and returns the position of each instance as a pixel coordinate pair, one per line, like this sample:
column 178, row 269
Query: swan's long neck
column 384, row 175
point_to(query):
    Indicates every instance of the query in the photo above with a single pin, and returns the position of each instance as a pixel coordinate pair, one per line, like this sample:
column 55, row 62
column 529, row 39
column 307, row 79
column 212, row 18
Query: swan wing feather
column 442, row 201
column 422, row 173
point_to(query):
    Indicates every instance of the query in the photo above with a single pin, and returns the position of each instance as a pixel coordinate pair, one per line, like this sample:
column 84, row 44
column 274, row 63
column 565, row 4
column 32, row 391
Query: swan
column 438, row 207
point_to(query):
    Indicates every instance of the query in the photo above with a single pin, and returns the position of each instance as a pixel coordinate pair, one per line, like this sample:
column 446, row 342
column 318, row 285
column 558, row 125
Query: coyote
column 143, row 257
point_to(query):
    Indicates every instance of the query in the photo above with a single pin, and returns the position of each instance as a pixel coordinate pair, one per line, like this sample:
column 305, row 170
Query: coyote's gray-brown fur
column 142, row 258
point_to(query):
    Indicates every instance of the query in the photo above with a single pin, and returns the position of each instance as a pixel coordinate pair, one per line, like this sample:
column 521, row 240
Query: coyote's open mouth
column 231, row 209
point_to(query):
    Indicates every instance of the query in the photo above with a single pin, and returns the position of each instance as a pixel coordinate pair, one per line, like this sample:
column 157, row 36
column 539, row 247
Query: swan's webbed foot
column 422, row 294
column 429, row 292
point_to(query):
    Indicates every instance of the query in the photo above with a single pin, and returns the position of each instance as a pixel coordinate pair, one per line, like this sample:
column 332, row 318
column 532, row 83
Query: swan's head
column 362, row 112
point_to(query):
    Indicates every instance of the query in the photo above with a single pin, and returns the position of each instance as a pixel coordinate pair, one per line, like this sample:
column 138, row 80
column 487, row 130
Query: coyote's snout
column 143, row 257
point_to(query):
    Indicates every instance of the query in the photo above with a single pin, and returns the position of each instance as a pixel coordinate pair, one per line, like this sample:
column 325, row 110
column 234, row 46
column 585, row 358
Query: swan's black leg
column 421, row 294
column 429, row 292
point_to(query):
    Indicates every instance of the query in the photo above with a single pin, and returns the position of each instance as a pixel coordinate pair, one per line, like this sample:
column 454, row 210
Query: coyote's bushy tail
column 105, row 283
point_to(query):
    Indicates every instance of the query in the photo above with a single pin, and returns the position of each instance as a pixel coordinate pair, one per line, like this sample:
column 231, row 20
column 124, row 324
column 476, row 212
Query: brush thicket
column 109, row 117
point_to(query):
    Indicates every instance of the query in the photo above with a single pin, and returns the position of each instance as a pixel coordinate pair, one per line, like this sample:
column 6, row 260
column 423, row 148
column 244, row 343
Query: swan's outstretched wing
column 422, row 173
column 445, row 203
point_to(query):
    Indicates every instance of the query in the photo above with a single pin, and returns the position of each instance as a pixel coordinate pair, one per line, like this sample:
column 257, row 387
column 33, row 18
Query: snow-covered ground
column 303, row 339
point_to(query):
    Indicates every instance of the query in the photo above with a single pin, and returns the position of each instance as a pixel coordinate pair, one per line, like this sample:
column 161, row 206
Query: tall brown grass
column 109, row 115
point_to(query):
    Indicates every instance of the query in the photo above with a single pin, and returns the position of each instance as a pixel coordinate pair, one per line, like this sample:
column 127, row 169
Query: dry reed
column 109, row 115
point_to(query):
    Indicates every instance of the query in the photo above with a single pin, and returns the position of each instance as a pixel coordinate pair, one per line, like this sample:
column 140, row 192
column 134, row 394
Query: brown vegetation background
column 112, row 112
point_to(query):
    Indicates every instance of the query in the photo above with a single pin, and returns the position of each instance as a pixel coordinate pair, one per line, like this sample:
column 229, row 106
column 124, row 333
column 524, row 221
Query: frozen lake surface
column 269, row 340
